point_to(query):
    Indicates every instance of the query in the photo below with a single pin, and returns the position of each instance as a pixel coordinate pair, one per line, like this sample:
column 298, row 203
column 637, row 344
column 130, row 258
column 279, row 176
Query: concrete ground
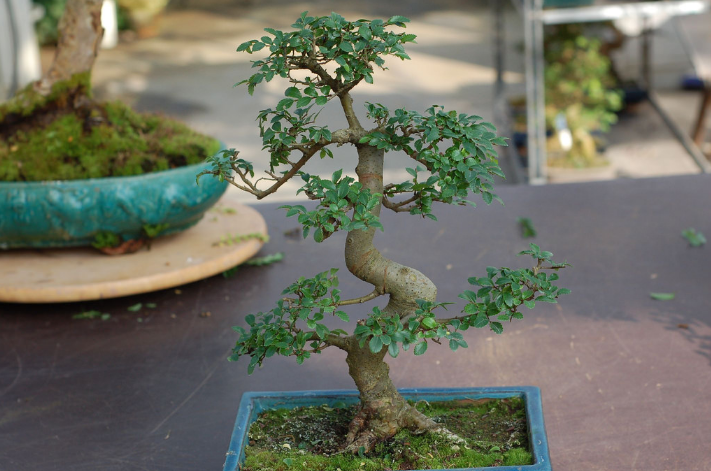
column 624, row 378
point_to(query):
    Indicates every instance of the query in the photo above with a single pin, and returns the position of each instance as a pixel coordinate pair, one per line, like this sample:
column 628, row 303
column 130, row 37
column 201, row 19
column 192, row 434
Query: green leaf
column 420, row 348
column 393, row 350
column 453, row 345
column 527, row 229
column 398, row 19
column 342, row 315
column 497, row 327
column 303, row 101
column 244, row 46
column 694, row 237
column 508, row 298
column 135, row 307
column 481, row 320
column 662, row 296
column 346, row 46
column 321, row 100
column 322, row 331
column 375, row 344
column 293, row 92
column 429, row 322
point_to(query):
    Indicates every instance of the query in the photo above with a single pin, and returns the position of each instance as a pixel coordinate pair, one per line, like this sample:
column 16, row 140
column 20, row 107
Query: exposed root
column 371, row 426
column 420, row 423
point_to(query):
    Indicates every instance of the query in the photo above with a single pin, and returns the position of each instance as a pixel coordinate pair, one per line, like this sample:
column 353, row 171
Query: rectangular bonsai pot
column 253, row 403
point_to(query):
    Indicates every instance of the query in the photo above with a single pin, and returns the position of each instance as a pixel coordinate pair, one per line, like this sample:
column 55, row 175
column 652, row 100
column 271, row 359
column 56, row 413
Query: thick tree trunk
column 80, row 35
column 66, row 87
column 383, row 410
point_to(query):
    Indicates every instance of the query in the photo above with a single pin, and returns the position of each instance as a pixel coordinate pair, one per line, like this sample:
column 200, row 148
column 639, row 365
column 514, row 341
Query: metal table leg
column 535, row 92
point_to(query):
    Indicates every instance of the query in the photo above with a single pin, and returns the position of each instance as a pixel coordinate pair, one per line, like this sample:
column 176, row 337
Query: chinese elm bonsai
column 454, row 156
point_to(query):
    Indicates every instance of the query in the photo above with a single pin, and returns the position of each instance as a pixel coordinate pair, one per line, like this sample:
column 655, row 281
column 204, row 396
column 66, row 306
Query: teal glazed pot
column 70, row 213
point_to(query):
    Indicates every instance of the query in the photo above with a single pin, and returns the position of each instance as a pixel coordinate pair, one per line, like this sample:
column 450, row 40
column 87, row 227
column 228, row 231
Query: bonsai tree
column 53, row 128
column 578, row 84
column 454, row 157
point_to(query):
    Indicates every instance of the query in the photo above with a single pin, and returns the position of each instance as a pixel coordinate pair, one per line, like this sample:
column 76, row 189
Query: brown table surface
column 626, row 380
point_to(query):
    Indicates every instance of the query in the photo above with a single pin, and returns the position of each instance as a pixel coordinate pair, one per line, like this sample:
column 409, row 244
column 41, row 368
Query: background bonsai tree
column 579, row 91
column 53, row 129
column 323, row 59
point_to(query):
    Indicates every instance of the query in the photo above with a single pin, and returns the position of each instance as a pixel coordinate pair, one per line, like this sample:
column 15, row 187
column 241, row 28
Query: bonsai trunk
column 383, row 410
column 80, row 35
column 66, row 87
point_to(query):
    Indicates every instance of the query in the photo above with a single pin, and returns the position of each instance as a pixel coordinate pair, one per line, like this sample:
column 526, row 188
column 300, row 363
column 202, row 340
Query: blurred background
column 178, row 58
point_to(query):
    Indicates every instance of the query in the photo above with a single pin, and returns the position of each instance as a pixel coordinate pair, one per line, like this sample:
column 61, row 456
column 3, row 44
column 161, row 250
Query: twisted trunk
column 383, row 410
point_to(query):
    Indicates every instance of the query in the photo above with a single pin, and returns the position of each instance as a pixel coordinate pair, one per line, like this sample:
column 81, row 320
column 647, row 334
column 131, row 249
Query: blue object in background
column 253, row 403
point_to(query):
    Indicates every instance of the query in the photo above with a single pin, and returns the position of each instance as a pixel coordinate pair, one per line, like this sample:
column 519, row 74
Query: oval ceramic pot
column 71, row 213
column 253, row 403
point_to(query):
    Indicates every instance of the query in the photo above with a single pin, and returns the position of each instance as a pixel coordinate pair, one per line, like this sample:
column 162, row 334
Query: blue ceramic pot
column 253, row 403
column 71, row 213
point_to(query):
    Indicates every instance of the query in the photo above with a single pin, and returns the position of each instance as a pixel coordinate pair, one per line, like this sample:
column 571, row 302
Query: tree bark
column 383, row 410
column 80, row 35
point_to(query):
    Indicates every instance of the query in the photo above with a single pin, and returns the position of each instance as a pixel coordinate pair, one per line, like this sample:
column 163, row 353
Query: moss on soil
column 309, row 438
column 66, row 136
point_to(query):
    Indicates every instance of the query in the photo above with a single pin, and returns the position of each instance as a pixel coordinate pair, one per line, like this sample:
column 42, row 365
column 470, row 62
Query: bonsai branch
column 374, row 294
column 400, row 206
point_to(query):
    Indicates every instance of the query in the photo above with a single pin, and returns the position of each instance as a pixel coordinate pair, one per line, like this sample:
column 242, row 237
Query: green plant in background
column 454, row 157
column 93, row 314
column 255, row 262
column 578, row 87
column 527, row 229
column 662, row 296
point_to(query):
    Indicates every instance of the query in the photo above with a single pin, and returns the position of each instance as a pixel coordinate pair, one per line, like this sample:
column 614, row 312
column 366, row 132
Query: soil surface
column 311, row 438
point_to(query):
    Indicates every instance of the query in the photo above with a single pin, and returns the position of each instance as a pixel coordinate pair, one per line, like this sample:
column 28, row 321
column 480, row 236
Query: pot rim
column 104, row 180
column 250, row 406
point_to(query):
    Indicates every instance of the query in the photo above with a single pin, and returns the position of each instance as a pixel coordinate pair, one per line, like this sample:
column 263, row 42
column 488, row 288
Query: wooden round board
column 82, row 274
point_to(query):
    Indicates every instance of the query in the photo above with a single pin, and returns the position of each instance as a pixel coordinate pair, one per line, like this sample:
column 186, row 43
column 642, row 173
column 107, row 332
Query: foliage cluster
column 454, row 157
column 498, row 299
